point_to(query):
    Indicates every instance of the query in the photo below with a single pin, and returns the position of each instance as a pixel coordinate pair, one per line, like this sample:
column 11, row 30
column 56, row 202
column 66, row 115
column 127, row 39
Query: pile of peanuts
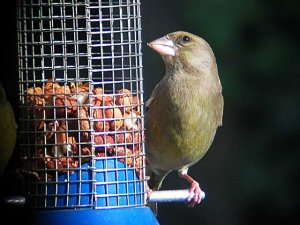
column 68, row 120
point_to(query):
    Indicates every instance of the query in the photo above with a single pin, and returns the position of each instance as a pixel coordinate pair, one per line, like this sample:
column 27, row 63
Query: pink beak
column 163, row 46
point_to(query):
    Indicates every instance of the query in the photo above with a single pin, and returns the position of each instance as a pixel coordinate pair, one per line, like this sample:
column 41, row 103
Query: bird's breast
column 180, row 125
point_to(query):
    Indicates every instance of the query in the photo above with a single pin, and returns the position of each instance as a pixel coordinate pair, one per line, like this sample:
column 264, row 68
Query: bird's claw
column 147, row 188
column 195, row 195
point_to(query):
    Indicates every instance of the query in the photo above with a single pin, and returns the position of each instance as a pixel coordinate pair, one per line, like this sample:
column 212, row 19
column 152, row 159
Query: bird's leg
column 194, row 188
column 147, row 188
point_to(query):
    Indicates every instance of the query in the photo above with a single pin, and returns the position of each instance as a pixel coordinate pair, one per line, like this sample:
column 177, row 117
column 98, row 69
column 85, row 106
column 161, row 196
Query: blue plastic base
column 123, row 216
column 117, row 185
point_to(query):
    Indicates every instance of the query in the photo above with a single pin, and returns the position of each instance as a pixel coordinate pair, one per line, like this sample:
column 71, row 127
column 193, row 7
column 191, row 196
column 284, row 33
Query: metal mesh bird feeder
column 81, row 114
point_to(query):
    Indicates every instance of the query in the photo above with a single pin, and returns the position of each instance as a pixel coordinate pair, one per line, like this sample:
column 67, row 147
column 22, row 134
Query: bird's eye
column 186, row 38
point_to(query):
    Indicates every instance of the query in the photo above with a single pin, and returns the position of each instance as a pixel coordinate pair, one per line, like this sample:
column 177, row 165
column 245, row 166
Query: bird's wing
column 151, row 98
column 148, row 103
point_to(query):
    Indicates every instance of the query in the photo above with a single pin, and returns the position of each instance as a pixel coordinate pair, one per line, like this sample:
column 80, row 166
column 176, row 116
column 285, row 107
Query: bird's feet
column 195, row 191
column 148, row 189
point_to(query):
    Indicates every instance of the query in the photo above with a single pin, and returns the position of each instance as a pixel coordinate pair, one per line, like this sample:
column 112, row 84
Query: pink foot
column 194, row 190
column 148, row 189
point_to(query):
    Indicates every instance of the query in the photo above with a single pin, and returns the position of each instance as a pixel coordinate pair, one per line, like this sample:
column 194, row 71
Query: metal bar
column 172, row 196
column 14, row 200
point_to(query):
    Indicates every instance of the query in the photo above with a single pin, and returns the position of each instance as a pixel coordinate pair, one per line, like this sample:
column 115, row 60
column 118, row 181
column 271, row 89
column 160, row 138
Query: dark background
column 251, row 173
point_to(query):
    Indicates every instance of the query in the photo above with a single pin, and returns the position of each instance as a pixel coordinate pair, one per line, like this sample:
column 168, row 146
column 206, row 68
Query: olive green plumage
column 185, row 108
column 8, row 131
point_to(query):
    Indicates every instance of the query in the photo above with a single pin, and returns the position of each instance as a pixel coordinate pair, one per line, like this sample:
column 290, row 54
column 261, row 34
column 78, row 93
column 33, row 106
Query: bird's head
column 183, row 50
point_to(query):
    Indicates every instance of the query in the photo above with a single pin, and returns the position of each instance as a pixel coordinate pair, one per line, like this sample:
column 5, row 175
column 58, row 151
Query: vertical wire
column 129, row 17
column 23, row 75
column 75, row 29
column 32, row 56
column 135, row 66
column 121, row 54
column 102, row 18
column 44, row 15
column 62, row 30
column 20, row 72
column 91, row 111
column 90, row 61
column 78, row 124
column 76, row 40
column 77, row 66
column 31, row 61
column 40, row 16
column 33, row 74
column 102, row 55
column 112, row 49
column 130, row 81
column 28, row 67
column 52, row 55
column 119, row 8
column 122, row 41
column 41, row 28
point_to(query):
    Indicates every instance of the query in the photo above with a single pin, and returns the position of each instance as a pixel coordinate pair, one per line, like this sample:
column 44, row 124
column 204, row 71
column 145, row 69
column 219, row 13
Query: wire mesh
column 81, row 102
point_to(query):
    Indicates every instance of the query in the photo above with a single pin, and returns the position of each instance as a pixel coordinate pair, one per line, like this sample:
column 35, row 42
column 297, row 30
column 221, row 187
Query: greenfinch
column 8, row 131
column 184, row 110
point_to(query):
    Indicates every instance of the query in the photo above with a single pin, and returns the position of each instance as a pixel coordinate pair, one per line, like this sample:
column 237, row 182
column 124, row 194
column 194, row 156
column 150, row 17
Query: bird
column 8, row 130
column 183, row 111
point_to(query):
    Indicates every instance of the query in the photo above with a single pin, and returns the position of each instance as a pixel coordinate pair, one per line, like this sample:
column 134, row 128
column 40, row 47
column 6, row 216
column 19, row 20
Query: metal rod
column 172, row 196
column 14, row 200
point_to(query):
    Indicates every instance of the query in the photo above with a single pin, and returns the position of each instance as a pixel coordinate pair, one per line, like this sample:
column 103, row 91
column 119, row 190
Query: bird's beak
column 163, row 46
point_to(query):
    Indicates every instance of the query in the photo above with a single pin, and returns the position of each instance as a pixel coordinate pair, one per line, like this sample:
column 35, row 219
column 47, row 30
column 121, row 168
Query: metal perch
column 172, row 196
